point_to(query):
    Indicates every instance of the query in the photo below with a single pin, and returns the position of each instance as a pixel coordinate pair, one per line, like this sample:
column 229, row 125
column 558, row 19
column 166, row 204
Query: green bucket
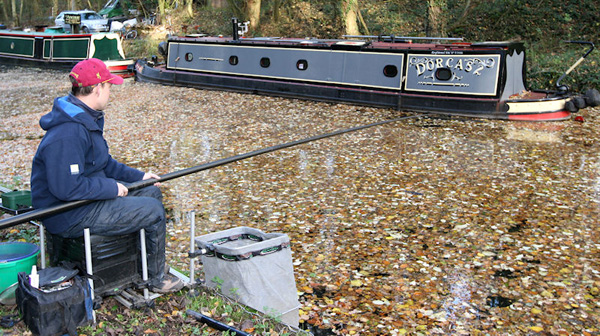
column 16, row 257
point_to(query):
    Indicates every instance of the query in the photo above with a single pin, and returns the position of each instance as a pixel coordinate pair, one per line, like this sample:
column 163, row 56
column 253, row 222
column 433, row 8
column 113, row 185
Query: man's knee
column 156, row 212
column 155, row 192
column 151, row 191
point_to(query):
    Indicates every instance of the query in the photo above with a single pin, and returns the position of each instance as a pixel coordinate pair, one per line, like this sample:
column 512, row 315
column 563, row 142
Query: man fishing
column 73, row 163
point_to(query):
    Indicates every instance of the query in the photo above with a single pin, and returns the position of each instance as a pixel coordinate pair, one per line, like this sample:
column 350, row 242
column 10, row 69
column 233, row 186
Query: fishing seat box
column 116, row 263
column 16, row 200
column 254, row 268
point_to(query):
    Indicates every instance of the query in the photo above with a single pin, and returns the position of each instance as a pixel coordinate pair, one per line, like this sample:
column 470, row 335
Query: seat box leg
column 88, row 264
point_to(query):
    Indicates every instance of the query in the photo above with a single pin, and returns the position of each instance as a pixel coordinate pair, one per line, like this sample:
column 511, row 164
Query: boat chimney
column 234, row 22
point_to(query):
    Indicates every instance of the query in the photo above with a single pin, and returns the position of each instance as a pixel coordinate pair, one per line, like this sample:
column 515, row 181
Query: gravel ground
column 424, row 226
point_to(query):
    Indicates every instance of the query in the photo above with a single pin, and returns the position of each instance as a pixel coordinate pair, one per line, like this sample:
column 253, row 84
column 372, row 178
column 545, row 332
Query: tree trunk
column 161, row 10
column 349, row 15
column 276, row 5
column 54, row 8
column 4, row 12
column 437, row 18
column 253, row 13
column 189, row 8
column 13, row 7
column 21, row 13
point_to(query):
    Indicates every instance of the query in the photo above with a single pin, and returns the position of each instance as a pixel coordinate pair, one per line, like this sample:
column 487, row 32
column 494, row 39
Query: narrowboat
column 54, row 49
column 442, row 76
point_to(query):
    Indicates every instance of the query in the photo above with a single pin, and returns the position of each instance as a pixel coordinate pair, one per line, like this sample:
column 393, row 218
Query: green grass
column 141, row 47
column 544, row 67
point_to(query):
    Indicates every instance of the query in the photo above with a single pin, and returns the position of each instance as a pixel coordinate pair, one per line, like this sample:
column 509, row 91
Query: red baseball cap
column 93, row 71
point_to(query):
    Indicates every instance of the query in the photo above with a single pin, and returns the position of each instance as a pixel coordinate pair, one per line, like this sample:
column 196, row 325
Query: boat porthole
column 443, row 74
column 390, row 71
column 302, row 65
column 189, row 57
column 265, row 62
column 233, row 60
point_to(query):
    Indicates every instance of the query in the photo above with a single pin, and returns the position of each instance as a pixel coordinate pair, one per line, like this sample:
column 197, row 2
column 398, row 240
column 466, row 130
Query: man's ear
column 97, row 89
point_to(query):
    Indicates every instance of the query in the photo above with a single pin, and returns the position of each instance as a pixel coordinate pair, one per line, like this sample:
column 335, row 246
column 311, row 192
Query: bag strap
column 93, row 277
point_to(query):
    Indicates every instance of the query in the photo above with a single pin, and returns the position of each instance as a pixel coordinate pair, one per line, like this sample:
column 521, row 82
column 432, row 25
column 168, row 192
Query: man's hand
column 122, row 190
column 148, row 176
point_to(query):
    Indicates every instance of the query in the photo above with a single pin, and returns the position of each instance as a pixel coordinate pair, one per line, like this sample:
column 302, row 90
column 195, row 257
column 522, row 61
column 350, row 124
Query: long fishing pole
column 215, row 324
column 40, row 213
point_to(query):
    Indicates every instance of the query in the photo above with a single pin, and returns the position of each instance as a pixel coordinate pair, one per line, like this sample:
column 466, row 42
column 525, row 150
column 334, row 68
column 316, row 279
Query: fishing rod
column 215, row 324
column 40, row 213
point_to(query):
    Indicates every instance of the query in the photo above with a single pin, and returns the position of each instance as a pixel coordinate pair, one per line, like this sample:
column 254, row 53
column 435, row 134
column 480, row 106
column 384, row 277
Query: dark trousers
column 140, row 209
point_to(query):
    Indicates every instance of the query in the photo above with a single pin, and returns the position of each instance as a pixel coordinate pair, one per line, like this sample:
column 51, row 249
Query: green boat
column 54, row 49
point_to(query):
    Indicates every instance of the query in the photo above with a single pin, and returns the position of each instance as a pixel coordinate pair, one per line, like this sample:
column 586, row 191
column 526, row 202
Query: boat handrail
column 394, row 37
column 287, row 39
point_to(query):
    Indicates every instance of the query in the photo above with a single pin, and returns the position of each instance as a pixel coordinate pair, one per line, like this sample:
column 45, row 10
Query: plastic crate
column 254, row 268
column 16, row 200
column 115, row 260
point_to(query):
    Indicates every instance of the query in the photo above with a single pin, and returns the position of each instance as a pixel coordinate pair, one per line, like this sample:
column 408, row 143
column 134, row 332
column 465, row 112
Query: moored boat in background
column 54, row 49
column 444, row 76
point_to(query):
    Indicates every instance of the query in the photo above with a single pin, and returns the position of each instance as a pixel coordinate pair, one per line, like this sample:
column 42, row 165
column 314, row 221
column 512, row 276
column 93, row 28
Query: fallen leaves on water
column 407, row 228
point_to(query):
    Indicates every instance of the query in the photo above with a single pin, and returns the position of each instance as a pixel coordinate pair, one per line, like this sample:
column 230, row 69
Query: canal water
column 431, row 225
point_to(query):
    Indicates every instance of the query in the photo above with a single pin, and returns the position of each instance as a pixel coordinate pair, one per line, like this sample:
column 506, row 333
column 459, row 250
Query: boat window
column 92, row 16
column 265, row 62
column 390, row 70
column 189, row 57
column 443, row 74
column 233, row 60
column 302, row 65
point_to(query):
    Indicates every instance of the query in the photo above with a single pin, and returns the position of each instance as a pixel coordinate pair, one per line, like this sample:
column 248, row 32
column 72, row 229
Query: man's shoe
column 169, row 284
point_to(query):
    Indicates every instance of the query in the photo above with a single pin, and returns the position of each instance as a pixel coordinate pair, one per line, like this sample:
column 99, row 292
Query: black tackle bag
column 62, row 302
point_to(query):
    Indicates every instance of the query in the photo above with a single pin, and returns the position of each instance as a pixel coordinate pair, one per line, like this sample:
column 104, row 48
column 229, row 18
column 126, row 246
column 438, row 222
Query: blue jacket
column 72, row 163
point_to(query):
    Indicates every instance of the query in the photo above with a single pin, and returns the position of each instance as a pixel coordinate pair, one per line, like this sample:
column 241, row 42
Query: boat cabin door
column 38, row 48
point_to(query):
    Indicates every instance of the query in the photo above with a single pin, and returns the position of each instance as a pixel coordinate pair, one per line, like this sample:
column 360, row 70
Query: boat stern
column 544, row 106
column 123, row 68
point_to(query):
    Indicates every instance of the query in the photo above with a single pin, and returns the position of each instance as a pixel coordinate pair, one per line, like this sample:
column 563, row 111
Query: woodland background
column 543, row 25
column 535, row 21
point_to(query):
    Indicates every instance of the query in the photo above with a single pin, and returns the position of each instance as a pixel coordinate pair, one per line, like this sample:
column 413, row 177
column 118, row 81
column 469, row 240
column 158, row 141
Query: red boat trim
column 117, row 68
column 45, row 35
column 560, row 115
column 448, row 97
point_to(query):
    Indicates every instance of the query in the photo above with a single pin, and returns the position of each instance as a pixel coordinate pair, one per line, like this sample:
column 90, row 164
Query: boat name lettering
column 447, row 52
column 474, row 65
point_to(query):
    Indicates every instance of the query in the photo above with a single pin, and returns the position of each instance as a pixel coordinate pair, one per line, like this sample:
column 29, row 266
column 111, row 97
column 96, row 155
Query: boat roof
column 400, row 43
